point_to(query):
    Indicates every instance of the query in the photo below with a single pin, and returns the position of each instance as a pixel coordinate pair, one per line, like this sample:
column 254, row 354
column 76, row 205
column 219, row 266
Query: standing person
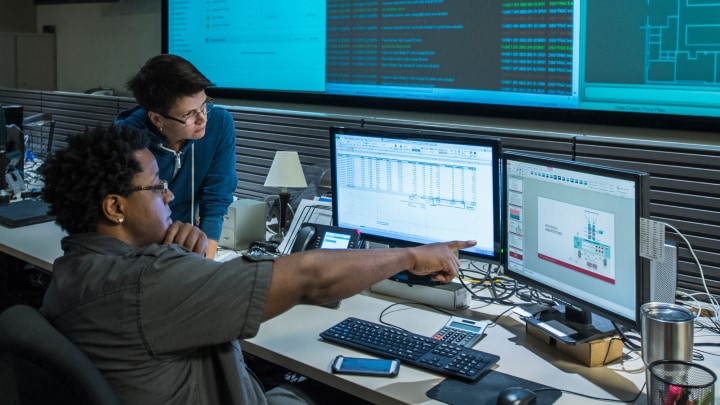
column 192, row 140
column 160, row 321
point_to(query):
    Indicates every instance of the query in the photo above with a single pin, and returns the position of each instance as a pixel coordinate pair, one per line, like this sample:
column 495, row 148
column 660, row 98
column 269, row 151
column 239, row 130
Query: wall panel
column 684, row 192
column 261, row 133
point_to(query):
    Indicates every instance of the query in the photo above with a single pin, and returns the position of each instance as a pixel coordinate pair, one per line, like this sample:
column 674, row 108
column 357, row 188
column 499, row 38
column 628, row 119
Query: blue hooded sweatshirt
column 213, row 167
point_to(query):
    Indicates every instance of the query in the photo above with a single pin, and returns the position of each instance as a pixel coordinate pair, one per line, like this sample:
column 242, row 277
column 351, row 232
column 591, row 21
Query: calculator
column 461, row 331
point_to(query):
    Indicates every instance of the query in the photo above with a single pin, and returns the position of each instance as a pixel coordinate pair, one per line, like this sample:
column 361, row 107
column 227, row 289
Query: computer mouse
column 516, row 396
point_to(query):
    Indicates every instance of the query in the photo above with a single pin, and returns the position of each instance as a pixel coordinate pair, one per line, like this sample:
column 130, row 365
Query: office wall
column 17, row 16
column 102, row 44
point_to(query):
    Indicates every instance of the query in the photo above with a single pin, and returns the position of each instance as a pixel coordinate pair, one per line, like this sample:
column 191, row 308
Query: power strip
column 448, row 296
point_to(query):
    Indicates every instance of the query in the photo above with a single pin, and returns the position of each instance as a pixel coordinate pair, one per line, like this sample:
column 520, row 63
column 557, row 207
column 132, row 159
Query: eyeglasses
column 192, row 115
column 162, row 187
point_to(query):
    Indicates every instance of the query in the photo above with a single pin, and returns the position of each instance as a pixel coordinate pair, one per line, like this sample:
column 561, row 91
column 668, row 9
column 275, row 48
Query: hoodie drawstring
column 178, row 165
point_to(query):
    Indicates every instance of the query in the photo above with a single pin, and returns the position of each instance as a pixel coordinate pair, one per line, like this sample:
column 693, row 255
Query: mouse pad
column 485, row 391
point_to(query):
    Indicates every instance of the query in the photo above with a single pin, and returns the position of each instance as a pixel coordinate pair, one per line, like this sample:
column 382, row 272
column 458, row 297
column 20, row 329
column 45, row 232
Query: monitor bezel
column 642, row 210
column 3, row 130
column 493, row 142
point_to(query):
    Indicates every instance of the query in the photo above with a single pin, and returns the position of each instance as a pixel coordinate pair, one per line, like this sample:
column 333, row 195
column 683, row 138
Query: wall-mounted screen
column 582, row 59
column 54, row 2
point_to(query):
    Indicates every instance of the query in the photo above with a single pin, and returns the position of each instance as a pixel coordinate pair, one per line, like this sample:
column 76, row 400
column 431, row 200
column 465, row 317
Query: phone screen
column 334, row 240
column 355, row 365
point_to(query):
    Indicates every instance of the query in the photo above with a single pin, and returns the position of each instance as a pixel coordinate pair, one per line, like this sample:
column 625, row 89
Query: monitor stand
column 572, row 325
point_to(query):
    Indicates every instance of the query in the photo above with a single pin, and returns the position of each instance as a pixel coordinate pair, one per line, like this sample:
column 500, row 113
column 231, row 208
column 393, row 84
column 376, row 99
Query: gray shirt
column 160, row 323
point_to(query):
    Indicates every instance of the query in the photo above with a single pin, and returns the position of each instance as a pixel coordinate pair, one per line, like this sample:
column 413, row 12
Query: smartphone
column 363, row 366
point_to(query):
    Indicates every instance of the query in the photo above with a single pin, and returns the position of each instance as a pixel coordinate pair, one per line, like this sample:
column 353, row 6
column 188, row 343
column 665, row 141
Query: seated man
column 159, row 320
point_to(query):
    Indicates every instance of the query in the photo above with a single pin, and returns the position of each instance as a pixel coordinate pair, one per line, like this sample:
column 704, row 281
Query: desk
column 292, row 340
column 37, row 244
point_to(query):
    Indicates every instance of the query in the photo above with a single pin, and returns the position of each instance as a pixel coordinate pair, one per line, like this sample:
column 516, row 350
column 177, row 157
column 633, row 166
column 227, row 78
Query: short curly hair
column 97, row 162
column 163, row 80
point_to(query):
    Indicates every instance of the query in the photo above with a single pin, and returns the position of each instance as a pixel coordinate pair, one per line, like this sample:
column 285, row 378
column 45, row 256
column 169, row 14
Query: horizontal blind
column 684, row 192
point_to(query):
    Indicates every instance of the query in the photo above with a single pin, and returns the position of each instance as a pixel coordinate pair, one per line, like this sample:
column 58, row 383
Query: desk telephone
column 314, row 236
column 318, row 236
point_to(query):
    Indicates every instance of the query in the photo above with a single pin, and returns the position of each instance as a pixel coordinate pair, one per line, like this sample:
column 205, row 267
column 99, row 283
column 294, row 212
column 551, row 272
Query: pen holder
column 676, row 382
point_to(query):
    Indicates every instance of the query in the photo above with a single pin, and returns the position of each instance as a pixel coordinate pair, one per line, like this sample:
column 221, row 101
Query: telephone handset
column 317, row 236
column 304, row 237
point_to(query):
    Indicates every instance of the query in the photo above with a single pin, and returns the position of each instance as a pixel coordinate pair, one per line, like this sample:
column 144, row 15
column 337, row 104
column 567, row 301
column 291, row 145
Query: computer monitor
column 406, row 188
column 3, row 129
column 12, row 139
column 573, row 232
column 12, row 151
column 3, row 150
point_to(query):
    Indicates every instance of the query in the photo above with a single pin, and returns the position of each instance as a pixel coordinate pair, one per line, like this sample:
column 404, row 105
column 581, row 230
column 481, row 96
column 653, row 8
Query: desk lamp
column 285, row 172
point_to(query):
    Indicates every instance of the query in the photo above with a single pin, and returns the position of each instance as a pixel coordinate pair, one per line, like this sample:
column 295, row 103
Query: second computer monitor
column 404, row 188
column 573, row 231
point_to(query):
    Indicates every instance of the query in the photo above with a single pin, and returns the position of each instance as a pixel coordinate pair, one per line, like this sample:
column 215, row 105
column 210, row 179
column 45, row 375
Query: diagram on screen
column 577, row 238
column 682, row 41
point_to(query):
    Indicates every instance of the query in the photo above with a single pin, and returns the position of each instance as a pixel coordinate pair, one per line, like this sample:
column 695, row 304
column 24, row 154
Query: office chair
column 47, row 367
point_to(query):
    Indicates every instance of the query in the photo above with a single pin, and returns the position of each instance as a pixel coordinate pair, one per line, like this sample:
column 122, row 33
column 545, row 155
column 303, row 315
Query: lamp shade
column 286, row 171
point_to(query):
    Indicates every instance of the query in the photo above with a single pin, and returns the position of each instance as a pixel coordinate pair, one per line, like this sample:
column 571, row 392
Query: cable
column 497, row 317
column 710, row 297
column 500, row 288
column 628, row 341
column 630, row 401
column 408, row 305
column 715, row 328
column 699, row 307
column 609, row 348
column 533, row 295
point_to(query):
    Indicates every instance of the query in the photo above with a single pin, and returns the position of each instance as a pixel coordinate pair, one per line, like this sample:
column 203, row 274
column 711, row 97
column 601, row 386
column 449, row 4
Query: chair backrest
column 48, row 368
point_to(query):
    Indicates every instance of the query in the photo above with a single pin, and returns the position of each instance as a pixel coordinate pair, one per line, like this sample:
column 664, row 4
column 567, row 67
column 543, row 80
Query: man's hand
column 439, row 260
column 191, row 237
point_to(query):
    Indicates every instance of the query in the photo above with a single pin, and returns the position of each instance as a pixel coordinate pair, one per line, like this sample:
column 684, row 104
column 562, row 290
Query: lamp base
column 282, row 225
column 277, row 238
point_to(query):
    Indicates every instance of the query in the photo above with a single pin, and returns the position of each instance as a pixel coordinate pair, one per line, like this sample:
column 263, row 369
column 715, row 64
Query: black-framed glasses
column 162, row 187
column 192, row 115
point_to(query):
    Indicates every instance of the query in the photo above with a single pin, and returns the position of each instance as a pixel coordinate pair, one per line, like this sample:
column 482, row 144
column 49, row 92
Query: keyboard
column 451, row 360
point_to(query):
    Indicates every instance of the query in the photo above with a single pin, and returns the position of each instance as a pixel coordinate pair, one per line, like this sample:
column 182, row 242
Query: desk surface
column 292, row 340
column 37, row 244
